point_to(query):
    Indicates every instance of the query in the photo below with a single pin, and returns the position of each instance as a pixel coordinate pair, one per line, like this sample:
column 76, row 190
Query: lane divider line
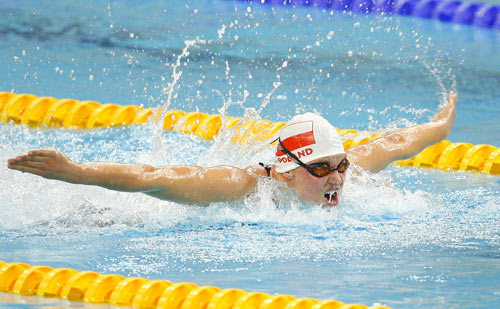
column 47, row 112
column 95, row 288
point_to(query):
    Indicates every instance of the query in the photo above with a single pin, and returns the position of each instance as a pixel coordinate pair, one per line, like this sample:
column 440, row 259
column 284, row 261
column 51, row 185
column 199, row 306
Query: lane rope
column 91, row 287
column 48, row 112
column 478, row 14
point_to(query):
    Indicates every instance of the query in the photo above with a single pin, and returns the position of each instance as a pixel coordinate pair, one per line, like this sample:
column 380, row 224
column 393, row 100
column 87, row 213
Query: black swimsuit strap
column 267, row 168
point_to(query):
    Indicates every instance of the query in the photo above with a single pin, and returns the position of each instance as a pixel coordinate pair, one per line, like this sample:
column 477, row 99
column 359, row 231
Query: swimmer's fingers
column 27, row 160
column 36, row 155
column 18, row 159
column 448, row 112
column 26, row 168
column 49, row 156
column 46, row 163
column 452, row 97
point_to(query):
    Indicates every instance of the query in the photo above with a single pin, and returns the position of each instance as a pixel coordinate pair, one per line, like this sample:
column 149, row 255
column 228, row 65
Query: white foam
column 376, row 212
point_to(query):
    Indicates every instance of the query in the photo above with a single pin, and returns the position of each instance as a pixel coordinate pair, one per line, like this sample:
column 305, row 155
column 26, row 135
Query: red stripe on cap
column 295, row 142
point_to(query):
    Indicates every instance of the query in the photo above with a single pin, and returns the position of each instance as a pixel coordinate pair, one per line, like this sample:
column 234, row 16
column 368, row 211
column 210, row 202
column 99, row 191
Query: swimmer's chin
column 325, row 204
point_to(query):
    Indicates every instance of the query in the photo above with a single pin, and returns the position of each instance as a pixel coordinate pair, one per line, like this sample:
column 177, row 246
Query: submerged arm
column 184, row 184
column 405, row 143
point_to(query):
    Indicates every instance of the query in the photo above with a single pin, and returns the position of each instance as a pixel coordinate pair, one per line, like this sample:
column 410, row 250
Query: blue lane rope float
column 485, row 15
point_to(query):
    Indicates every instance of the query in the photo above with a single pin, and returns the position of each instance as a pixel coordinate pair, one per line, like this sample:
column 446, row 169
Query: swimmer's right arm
column 183, row 184
column 406, row 142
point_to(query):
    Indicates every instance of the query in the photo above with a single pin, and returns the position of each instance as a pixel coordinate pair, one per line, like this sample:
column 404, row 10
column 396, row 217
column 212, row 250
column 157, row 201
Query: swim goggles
column 316, row 169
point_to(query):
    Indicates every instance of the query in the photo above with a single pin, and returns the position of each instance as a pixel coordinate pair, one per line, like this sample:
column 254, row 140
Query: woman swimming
column 310, row 160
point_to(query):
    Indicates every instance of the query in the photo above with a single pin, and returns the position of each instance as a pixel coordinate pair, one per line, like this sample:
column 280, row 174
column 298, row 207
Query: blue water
column 407, row 238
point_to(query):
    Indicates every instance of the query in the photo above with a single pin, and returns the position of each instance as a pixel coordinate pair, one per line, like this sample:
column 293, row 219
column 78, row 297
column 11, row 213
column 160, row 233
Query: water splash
column 437, row 73
column 160, row 149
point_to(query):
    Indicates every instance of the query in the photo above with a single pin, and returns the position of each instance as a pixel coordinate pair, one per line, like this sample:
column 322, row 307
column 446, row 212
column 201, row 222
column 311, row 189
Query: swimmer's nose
column 334, row 177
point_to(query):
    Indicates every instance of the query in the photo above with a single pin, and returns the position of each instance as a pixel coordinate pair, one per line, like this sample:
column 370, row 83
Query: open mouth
column 331, row 198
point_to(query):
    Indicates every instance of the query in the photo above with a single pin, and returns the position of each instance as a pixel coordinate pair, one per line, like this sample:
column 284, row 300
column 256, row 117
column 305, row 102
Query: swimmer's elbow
column 393, row 145
column 160, row 181
column 395, row 138
column 396, row 144
column 376, row 155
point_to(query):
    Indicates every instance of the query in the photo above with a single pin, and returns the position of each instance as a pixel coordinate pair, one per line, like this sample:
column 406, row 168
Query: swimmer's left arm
column 405, row 143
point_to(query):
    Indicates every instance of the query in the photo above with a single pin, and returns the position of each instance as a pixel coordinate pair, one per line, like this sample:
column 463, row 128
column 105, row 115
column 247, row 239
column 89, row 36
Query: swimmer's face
column 322, row 190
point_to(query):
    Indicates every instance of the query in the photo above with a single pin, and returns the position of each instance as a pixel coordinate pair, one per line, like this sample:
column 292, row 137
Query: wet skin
column 313, row 189
column 202, row 186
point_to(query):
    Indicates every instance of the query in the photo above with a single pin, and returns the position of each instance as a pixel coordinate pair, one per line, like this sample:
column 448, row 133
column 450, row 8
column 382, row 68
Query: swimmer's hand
column 406, row 142
column 447, row 115
column 50, row 164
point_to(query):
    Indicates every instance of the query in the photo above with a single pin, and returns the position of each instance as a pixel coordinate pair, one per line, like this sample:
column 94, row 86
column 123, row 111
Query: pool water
column 406, row 237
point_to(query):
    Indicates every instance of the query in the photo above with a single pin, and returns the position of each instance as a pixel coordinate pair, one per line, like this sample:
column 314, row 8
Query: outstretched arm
column 404, row 143
column 184, row 184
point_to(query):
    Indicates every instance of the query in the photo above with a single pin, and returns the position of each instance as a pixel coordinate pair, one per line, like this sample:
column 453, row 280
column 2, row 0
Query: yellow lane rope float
column 47, row 112
column 91, row 287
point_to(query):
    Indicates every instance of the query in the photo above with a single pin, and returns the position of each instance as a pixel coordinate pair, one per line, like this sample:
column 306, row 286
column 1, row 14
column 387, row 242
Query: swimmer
column 310, row 160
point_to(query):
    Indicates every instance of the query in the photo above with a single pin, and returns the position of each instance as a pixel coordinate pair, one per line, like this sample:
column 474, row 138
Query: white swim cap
column 309, row 137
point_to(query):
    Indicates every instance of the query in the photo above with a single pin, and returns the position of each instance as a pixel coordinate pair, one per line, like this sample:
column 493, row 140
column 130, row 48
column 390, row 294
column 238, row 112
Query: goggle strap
column 344, row 162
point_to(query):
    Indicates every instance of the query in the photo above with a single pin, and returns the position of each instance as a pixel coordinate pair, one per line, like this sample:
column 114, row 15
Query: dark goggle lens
column 343, row 166
column 323, row 169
